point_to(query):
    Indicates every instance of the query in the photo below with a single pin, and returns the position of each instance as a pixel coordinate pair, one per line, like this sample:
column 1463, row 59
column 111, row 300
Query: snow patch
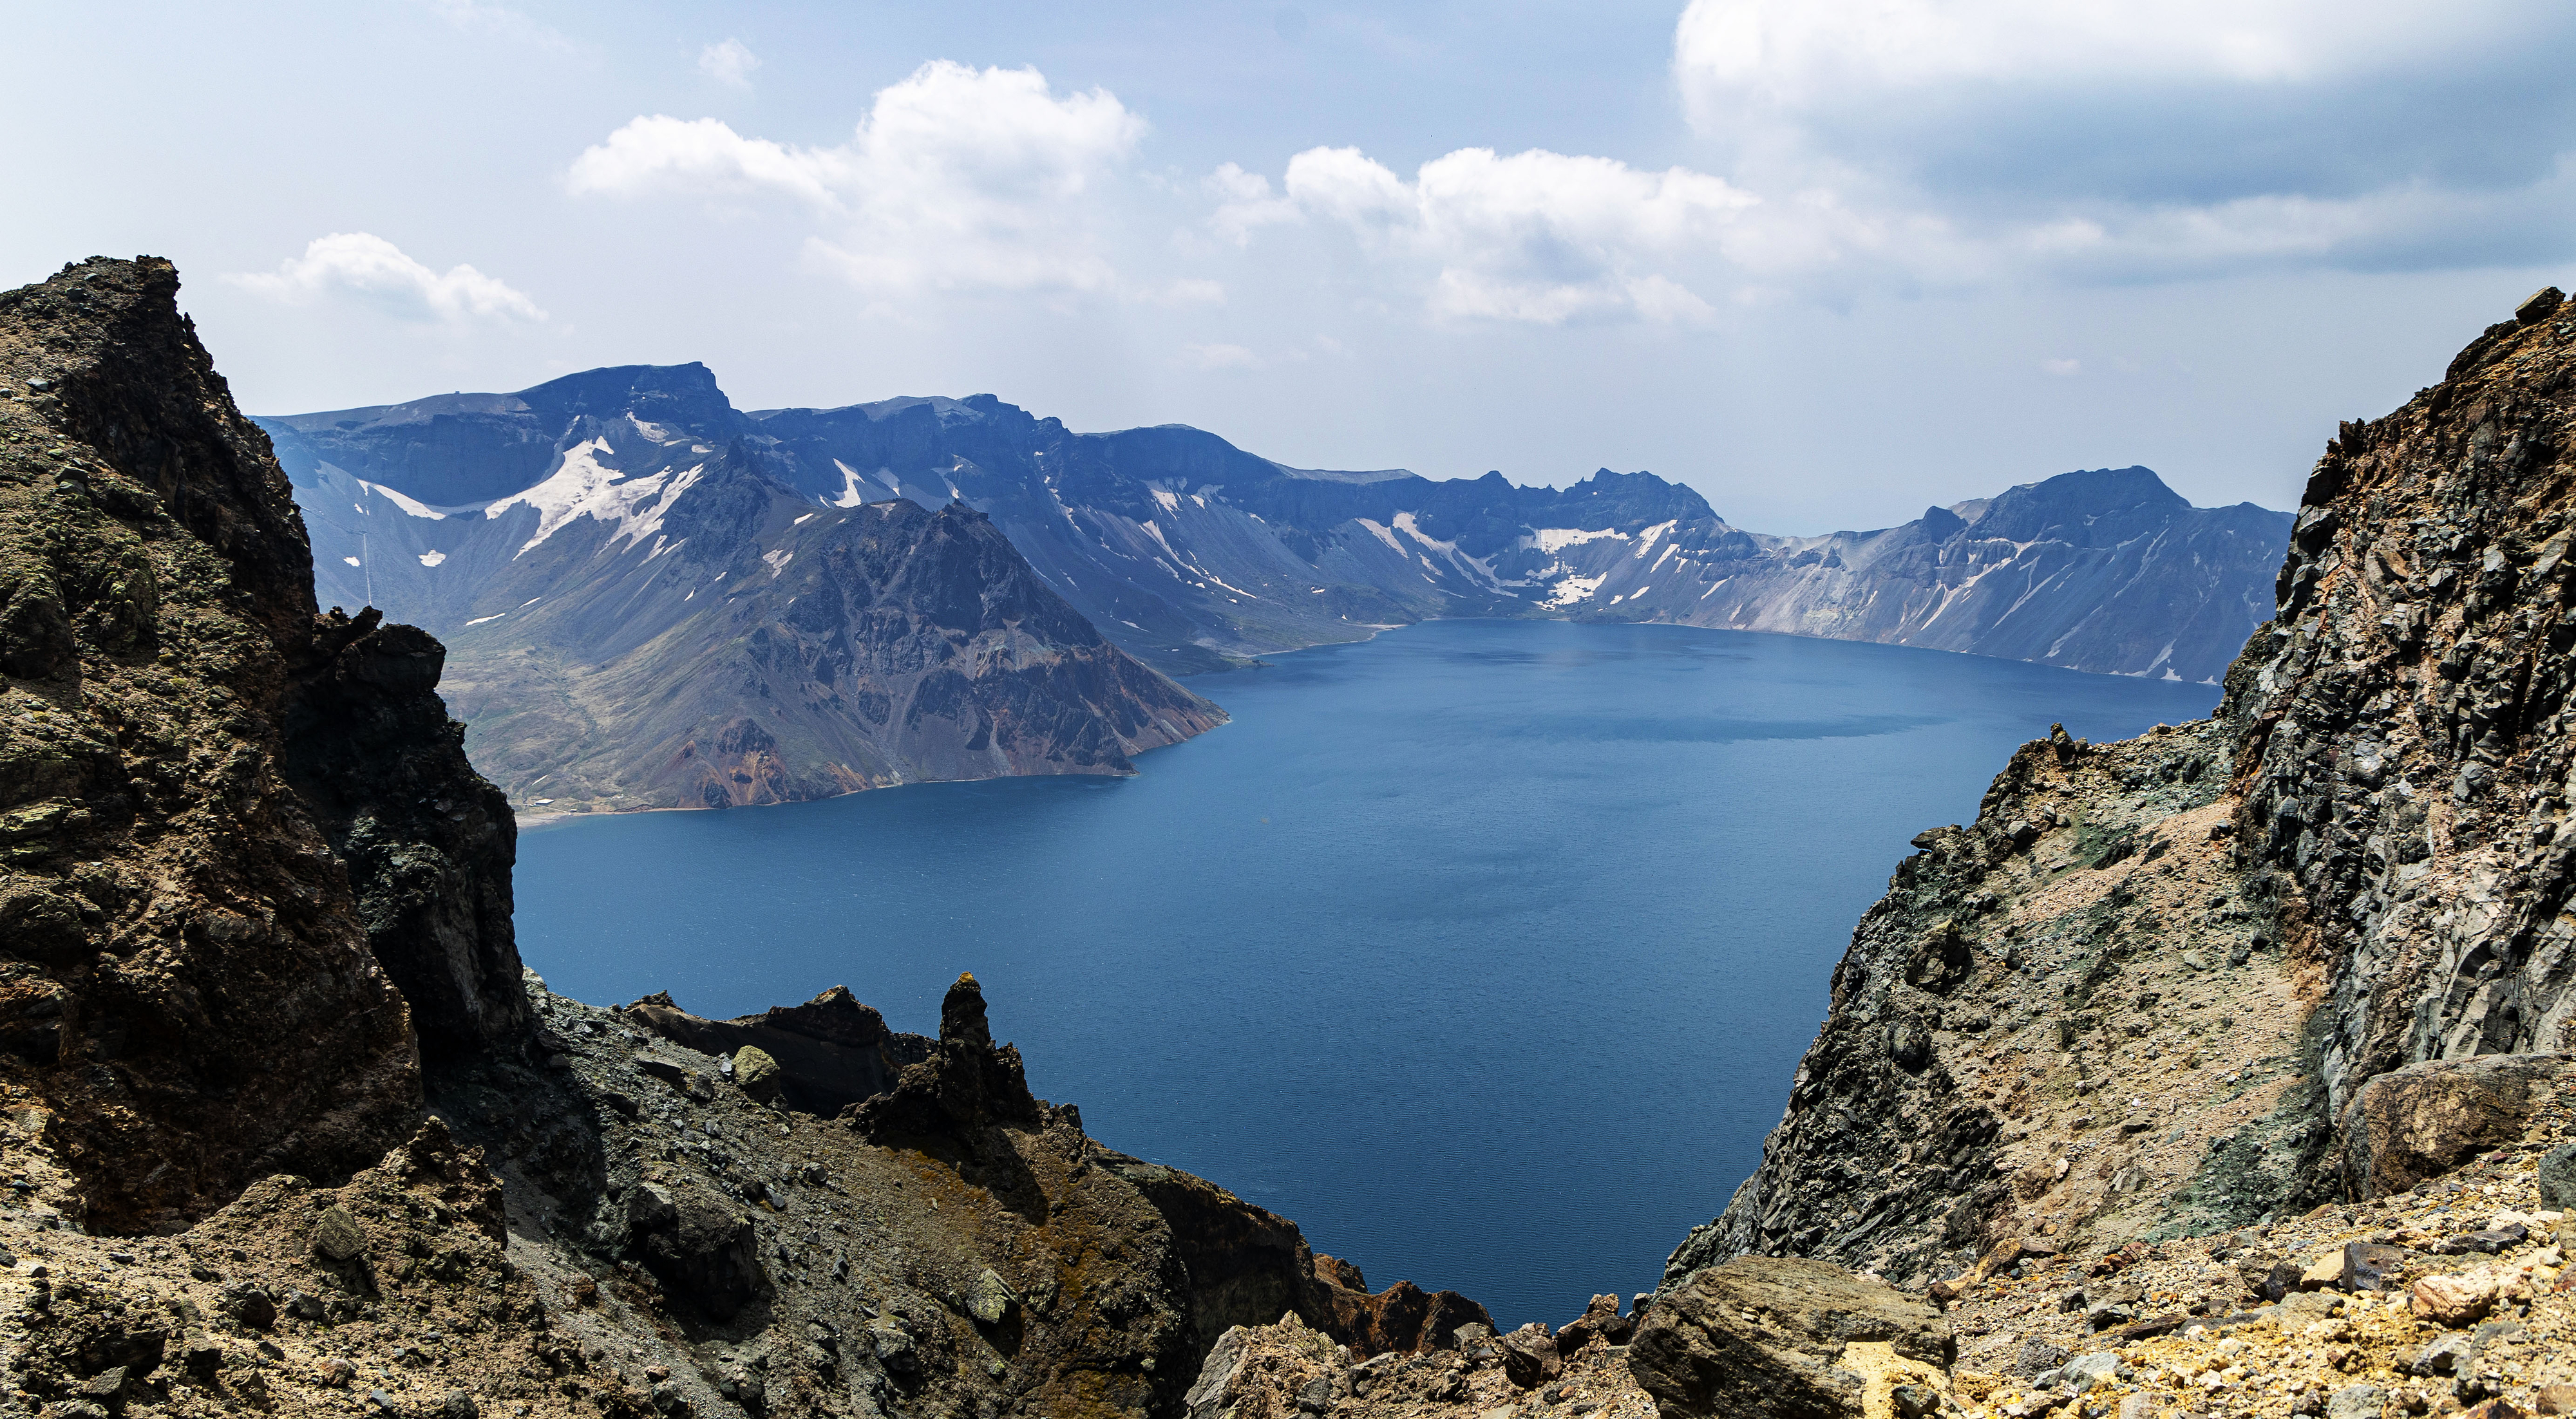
column 581, row 486
column 413, row 506
column 1573, row 589
column 1164, row 496
column 1646, row 539
column 850, row 494
column 1557, row 539
column 800, row 522
column 777, row 563
column 1383, row 535
column 431, row 559
column 479, row 620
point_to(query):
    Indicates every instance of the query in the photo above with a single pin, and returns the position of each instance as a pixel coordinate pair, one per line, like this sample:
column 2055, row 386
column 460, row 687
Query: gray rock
column 2558, row 1178
column 2366, row 1265
column 2085, row 1371
column 649, row 1209
column 459, row 1404
column 2038, row 1357
column 705, row 1253
column 1761, row 1337
column 247, row 1305
column 336, row 1237
column 2357, row 1402
column 1206, row 1396
column 2448, row 1355
column 1317, row 1396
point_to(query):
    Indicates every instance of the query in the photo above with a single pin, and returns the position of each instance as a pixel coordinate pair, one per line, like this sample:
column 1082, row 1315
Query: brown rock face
column 2424, row 1120
column 1760, row 1337
column 189, row 993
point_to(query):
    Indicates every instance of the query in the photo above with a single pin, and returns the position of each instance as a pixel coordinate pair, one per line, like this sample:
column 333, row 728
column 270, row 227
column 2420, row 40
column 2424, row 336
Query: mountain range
column 560, row 540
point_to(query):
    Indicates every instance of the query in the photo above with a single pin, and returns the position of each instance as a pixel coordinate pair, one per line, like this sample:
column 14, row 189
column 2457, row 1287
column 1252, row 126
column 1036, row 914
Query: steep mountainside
column 655, row 623
column 2158, row 988
column 255, row 927
column 1190, row 552
column 188, row 998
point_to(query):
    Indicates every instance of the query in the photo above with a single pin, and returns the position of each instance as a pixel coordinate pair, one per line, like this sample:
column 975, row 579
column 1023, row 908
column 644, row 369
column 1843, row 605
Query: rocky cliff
column 288, row 1128
column 2148, row 992
column 191, row 999
column 1191, row 553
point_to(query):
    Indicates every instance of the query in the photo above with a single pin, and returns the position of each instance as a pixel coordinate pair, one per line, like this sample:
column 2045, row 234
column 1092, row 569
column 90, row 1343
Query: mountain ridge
column 1192, row 553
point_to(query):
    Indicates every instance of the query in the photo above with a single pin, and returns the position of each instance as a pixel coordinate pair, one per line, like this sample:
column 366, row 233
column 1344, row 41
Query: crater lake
column 1484, row 950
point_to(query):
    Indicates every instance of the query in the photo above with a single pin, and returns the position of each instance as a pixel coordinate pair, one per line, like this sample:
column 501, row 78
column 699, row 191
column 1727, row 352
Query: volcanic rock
column 1763, row 1336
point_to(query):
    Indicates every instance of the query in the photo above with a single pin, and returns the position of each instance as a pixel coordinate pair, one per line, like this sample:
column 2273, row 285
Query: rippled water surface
column 1484, row 950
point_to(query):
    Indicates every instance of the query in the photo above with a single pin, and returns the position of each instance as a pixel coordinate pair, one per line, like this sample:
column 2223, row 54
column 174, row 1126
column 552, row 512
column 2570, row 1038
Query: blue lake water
column 1484, row 950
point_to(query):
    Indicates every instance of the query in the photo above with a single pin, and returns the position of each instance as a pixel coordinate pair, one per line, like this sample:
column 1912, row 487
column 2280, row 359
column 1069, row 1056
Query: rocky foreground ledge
column 2448, row 1295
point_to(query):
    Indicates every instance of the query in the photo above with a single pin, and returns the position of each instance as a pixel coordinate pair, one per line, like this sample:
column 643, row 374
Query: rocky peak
column 2175, row 985
column 236, row 834
column 961, row 1015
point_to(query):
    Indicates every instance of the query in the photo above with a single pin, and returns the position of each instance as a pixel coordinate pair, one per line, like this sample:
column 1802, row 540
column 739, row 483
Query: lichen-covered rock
column 1759, row 1337
column 758, row 1074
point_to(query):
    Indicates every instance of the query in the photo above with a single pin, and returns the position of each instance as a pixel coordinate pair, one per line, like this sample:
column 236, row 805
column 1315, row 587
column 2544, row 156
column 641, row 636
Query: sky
column 1828, row 261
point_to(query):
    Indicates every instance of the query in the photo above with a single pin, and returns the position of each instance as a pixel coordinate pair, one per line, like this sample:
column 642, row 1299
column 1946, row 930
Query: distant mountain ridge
column 1191, row 553
column 639, row 617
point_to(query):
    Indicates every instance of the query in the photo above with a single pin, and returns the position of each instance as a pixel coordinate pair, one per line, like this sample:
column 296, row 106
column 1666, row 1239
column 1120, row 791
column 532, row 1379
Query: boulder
column 2357, row 1402
column 1530, row 1356
column 758, row 1074
column 1766, row 1337
column 336, row 1237
column 2454, row 1301
column 2411, row 1124
column 698, row 1246
column 2558, row 1178
column 990, row 1300
column 1601, row 1318
column 2366, row 1266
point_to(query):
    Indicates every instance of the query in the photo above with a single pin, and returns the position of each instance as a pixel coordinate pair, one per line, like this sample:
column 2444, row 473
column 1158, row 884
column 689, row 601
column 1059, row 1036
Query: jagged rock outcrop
column 191, row 999
column 830, row 1052
column 2140, row 995
column 428, row 842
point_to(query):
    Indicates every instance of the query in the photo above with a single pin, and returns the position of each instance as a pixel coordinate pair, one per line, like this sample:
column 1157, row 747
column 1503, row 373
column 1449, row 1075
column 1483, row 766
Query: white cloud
column 2064, row 369
column 728, row 62
column 1537, row 236
column 376, row 272
column 2133, row 141
column 958, row 178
